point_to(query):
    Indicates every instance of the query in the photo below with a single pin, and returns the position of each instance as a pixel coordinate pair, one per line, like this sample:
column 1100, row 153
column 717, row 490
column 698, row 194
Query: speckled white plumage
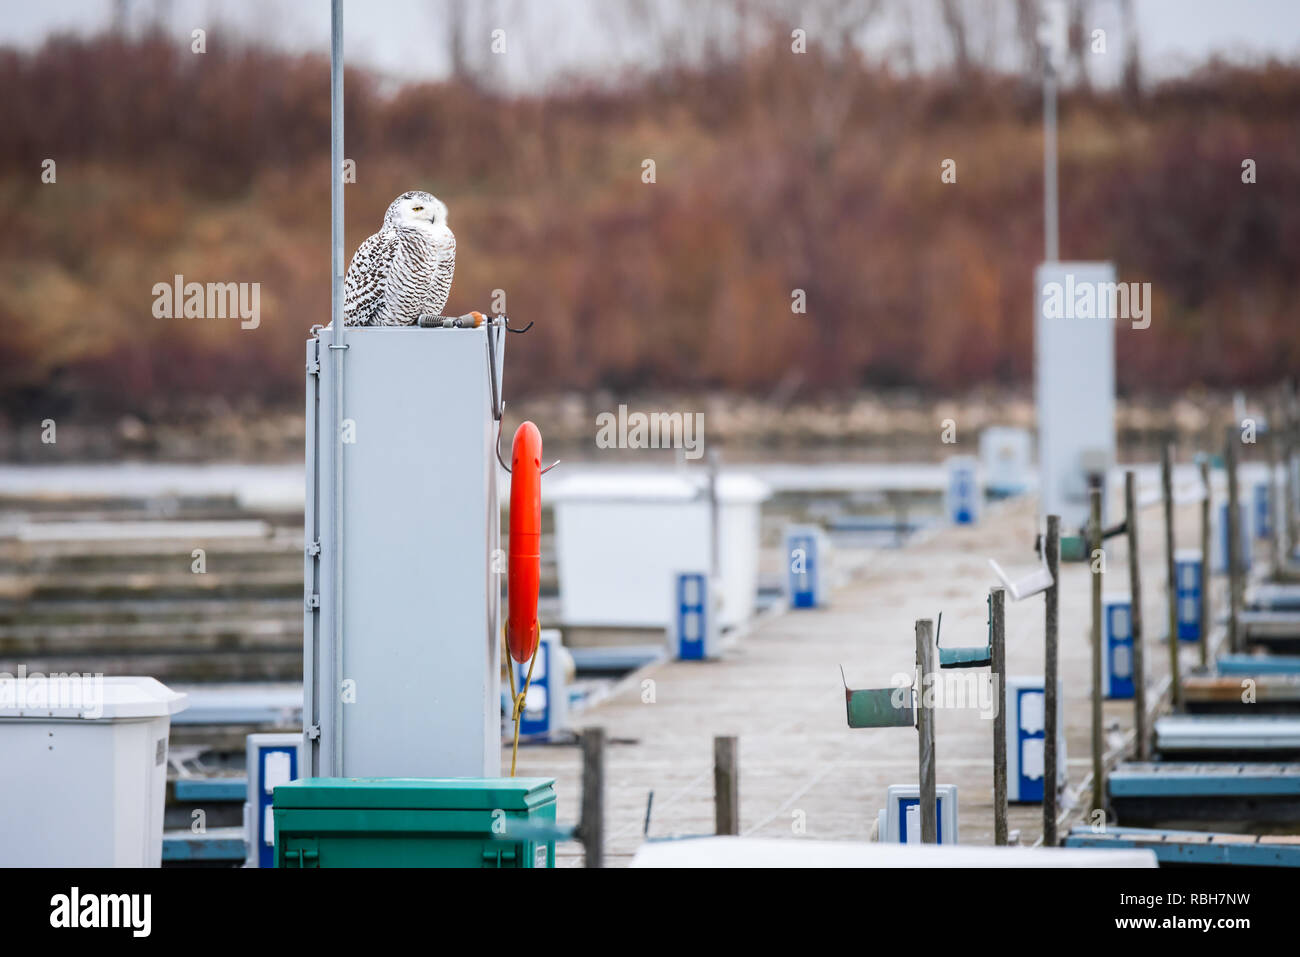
column 404, row 270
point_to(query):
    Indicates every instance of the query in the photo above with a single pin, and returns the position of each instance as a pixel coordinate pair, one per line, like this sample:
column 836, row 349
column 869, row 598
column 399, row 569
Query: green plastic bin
column 415, row 822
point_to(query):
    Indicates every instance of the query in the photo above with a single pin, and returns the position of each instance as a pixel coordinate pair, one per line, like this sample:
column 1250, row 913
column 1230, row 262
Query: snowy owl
column 404, row 270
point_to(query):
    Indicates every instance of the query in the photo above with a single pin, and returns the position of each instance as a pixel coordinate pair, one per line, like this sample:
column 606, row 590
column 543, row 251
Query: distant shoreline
column 869, row 427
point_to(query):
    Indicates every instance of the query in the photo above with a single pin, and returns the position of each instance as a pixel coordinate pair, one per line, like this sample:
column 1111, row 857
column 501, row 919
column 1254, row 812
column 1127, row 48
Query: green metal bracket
column 1074, row 548
column 879, row 707
column 978, row 656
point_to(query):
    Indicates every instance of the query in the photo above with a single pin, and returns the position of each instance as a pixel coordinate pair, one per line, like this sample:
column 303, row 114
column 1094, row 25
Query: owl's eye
column 417, row 209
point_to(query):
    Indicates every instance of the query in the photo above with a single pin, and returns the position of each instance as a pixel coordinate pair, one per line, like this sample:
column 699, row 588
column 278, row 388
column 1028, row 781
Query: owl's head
column 416, row 208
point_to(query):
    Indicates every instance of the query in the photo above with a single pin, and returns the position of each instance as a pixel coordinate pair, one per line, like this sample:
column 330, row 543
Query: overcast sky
column 546, row 38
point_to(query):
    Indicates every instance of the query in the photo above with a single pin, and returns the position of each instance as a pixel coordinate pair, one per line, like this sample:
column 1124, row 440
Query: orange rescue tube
column 525, row 566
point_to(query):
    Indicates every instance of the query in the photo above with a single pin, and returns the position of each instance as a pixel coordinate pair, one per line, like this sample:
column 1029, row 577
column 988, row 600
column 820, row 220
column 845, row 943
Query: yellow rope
column 522, row 696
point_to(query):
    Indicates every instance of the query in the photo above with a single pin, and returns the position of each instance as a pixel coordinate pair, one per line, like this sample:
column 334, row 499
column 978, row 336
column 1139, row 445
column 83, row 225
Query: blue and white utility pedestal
column 1263, row 524
column 1026, row 738
column 807, row 555
column 1117, row 640
column 899, row 821
column 1190, row 581
column 693, row 633
column 1221, row 538
column 1007, row 459
column 546, row 709
column 272, row 760
column 963, row 495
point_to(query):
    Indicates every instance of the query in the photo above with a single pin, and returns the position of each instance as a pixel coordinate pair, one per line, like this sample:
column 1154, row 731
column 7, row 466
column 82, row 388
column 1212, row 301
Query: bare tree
column 454, row 26
column 1028, row 17
column 1132, row 77
column 954, row 20
column 121, row 16
column 1080, row 40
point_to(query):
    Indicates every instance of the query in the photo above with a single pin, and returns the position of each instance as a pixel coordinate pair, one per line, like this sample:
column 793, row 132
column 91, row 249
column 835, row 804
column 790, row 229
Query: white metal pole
column 338, row 346
column 1051, row 211
column 1053, row 36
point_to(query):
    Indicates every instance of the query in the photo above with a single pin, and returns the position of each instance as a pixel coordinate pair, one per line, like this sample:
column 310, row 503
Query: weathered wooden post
column 925, row 729
column 1141, row 747
column 714, row 564
column 1098, row 563
column 592, row 827
column 997, row 677
column 1233, row 532
column 1171, row 575
column 1288, row 463
column 1203, row 612
column 1052, row 547
column 913, row 707
column 1272, row 442
column 726, row 785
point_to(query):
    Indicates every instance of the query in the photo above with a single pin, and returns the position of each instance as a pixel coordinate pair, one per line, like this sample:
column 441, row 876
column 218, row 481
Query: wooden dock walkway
column 803, row 772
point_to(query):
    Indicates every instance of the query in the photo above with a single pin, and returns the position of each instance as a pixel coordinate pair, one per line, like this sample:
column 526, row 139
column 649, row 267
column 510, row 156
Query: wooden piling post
column 998, row 679
column 1052, row 545
column 925, row 730
column 592, row 828
column 1141, row 745
column 1171, row 575
column 1203, row 612
column 714, row 561
column 1097, row 560
column 1271, row 441
column 1233, row 531
column 1288, row 462
column 726, row 785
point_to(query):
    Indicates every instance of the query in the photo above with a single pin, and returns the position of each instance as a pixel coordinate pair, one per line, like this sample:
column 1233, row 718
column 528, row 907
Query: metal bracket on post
column 495, row 328
column 1036, row 581
column 977, row 656
column 877, row 707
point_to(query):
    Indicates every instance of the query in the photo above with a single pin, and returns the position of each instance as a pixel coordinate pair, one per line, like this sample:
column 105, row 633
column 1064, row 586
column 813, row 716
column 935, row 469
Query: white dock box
column 414, row 691
column 620, row 539
column 83, row 770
